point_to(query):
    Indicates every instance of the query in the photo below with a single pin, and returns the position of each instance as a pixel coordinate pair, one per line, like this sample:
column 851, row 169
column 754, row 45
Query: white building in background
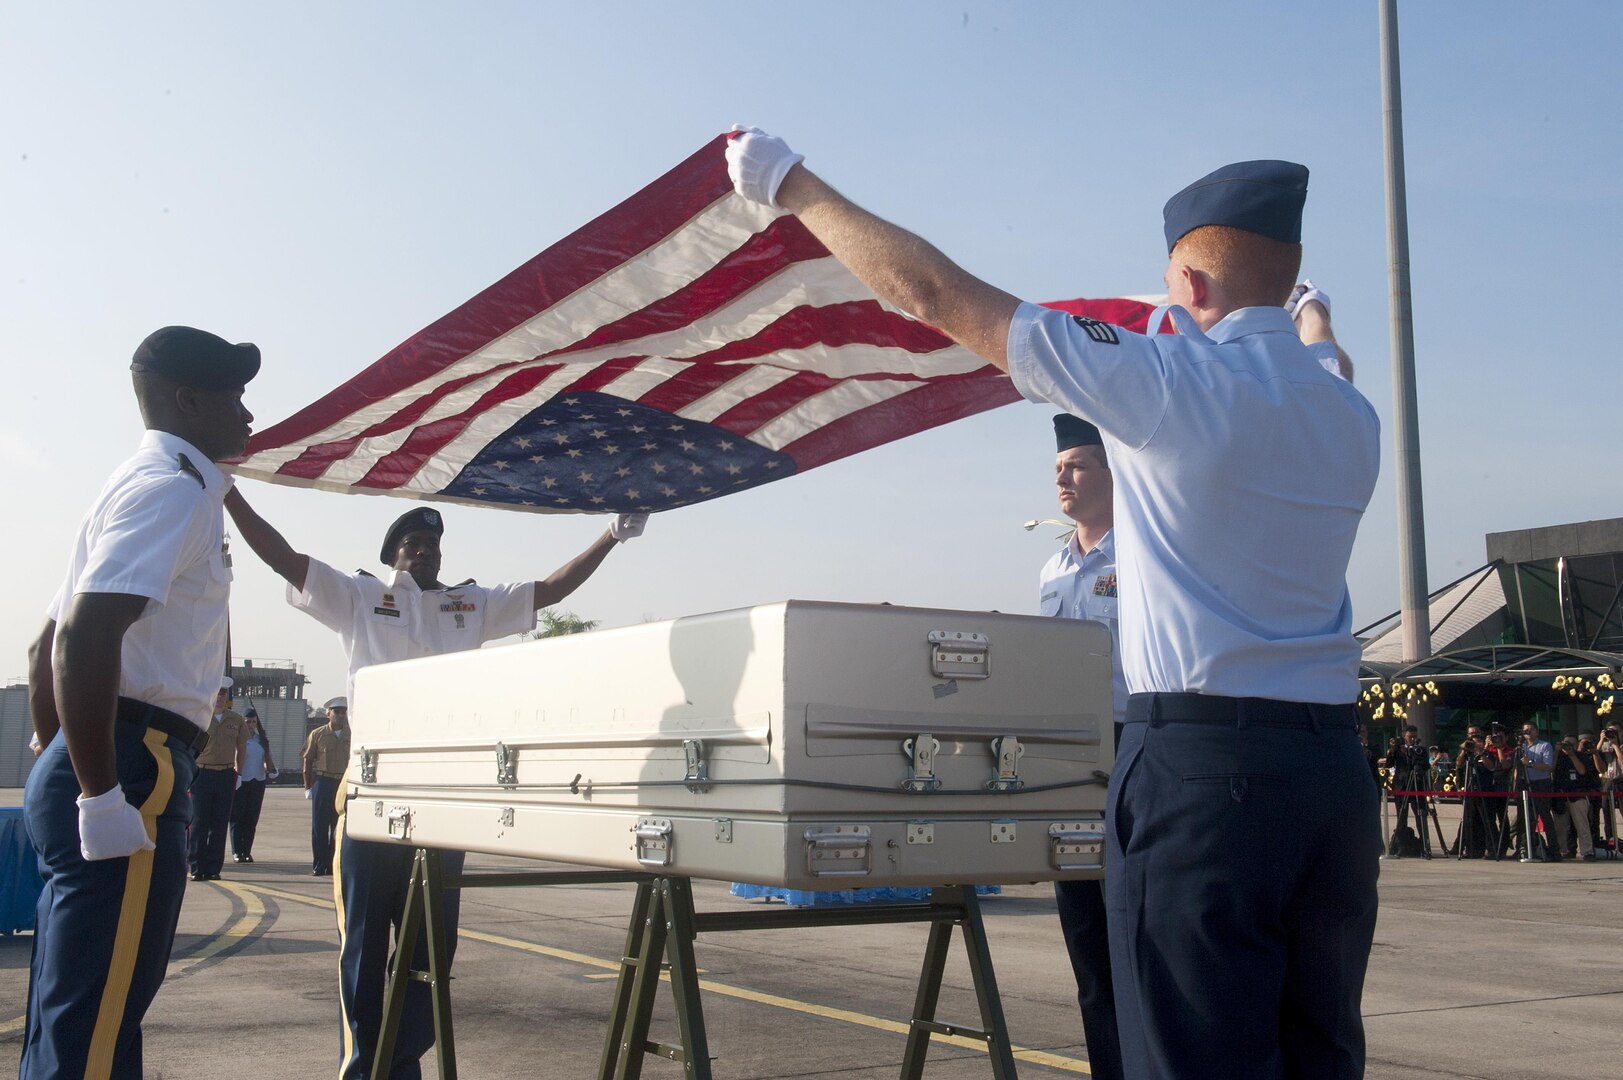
column 275, row 688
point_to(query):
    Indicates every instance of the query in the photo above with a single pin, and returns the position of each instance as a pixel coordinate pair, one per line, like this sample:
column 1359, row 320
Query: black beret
column 1071, row 432
column 1264, row 197
column 424, row 517
column 193, row 357
column 250, row 711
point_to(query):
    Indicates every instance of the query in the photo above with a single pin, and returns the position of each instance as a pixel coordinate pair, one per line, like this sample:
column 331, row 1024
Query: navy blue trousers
column 1087, row 941
column 371, row 897
column 105, row 928
column 211, row 814
column 323, row 823
column 1242, row 863
column 246, row 805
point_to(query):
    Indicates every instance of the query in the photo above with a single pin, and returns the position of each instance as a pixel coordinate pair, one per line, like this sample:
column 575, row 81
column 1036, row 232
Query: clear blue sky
column 324, row 179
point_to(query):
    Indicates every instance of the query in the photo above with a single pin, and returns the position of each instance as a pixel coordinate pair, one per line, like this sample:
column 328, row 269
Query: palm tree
column 558, row 623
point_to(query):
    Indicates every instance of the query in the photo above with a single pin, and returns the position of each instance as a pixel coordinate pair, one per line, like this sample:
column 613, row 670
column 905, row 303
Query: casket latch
column 697, row 771
column 1006, row 754
column 921, row 750
column 506, row 764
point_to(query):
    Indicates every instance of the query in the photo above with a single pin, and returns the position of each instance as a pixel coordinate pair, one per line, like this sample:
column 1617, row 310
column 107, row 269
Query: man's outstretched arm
column 271, row 547
column 900, row 267
column 573, row 574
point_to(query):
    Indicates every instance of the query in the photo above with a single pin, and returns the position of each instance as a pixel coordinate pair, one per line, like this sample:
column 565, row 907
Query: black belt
column 1161, row 709
column 171, row 724
column 330, row 775
column 212, row 768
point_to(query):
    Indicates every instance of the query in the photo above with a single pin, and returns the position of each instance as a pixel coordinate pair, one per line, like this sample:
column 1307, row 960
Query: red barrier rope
column 1507, row 794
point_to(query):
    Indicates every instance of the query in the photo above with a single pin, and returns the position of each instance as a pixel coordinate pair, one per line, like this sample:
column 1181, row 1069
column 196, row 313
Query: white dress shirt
column 1082, row 585
column 382, row 621
column 1241, row 468
column 157, row 530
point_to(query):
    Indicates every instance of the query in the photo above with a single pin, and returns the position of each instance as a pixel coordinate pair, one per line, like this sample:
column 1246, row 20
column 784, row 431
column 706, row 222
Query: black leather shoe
column 239, row 858
column 246, row 858
column 198, row 875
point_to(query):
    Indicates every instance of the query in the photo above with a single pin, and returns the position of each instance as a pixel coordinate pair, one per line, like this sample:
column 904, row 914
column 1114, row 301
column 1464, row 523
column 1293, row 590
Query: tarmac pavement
column 1480, row 969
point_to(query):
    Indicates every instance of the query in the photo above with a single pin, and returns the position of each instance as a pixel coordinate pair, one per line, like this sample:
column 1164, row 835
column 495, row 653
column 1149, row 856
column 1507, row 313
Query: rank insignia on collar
column 191, row 470
column 1102, row 332
column 1104, row 585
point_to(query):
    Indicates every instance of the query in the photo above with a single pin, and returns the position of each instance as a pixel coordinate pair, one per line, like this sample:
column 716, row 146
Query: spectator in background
column 326, row 756
column 1537, row 759
column 1573, row 775
column 1472, row 775
column 219, row 764
column 1496, row 763
column 1609, row 751
column 257, row 769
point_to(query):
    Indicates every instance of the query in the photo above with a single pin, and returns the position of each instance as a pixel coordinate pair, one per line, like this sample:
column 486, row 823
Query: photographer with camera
column 1473, row 774
column 1410, row 764
column 1535, row 760
column 1496, row 757
column 1573, row 774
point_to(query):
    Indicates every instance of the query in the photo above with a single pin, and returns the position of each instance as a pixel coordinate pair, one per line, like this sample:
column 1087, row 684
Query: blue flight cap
column 1263, row 197
column 411, row 521
column 192, row 357
column 1071, row 432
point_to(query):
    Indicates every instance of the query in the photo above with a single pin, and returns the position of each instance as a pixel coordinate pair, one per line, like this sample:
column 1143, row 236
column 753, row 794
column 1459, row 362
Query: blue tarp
column 806, row 898
column 20, row 883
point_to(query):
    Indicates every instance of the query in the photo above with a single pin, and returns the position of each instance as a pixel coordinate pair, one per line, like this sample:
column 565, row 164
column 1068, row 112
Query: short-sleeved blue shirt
column 1242, row 469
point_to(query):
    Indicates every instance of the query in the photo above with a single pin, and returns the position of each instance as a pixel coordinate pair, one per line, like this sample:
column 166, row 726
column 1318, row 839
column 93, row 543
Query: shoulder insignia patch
column 190, row 470
column 1102, row 332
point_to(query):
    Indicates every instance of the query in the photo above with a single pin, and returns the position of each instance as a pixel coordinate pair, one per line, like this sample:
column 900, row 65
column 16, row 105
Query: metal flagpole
column 1411, row 515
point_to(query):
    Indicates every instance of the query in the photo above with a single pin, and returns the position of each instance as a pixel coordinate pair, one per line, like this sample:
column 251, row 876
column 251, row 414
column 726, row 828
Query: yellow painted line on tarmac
column 847, row 1016
column 253, row 912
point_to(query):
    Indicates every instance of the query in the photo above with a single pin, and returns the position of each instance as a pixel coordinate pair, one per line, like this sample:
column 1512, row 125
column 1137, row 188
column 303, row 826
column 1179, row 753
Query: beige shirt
column 228, row 736
column 328, row 750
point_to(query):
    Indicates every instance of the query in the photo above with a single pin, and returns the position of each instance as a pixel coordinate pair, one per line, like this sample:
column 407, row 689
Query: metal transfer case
column 799, row 744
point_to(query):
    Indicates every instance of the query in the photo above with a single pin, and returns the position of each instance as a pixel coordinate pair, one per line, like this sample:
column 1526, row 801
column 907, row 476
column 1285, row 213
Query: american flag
column 684, row 345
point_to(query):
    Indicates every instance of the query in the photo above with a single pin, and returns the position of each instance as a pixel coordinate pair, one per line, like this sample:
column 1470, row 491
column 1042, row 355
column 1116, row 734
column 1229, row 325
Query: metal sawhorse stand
column 661, row 931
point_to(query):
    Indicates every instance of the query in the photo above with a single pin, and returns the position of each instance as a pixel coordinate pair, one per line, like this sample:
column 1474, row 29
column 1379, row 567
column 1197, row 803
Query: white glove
column 109, row 827
column 1302, row 294
column 627, row 526
column 309, row 793
column 273, row 774
column 758, row 162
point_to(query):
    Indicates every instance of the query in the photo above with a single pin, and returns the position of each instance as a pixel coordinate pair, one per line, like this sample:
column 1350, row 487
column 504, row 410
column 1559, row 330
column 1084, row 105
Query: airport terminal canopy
column 1548, row 604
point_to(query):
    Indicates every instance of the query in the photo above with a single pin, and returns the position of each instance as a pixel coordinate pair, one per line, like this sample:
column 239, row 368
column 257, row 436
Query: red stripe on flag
column 686, row 387
column 938, row 402
column 575, row 261
column 602, row 374
column 1131, row 315
column 749, row 414
column 856, row 322
column 765, row 254
column 401, row 464
column 315, row 460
